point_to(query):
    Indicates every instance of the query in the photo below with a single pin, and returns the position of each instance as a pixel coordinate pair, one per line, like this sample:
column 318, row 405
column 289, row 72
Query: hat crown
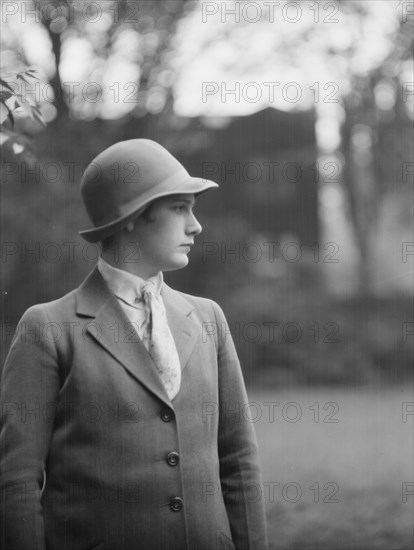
column 124, row 173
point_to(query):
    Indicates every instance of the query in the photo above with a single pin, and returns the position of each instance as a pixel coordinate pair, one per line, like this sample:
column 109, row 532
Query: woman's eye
column 182, row 207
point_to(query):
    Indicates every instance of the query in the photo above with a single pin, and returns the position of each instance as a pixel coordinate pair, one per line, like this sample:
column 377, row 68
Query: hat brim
column 194, row 186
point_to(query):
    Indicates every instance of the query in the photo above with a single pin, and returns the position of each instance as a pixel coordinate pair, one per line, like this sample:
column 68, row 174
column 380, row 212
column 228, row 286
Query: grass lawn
column 337, row 467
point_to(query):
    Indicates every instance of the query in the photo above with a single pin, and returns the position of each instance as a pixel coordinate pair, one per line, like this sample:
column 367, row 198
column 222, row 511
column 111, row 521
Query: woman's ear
column 130, row 227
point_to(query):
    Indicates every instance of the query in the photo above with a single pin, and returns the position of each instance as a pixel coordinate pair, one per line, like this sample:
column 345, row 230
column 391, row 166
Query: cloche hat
column 122, row 180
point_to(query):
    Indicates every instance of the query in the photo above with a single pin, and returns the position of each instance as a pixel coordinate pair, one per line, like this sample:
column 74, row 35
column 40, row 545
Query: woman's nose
column 194, row 227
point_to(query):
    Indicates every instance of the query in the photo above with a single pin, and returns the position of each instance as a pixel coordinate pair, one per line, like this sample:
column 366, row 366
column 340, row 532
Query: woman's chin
column 180, row 261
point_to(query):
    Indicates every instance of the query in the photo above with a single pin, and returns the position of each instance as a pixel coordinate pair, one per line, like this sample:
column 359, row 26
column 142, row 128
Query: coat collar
column 112, row 329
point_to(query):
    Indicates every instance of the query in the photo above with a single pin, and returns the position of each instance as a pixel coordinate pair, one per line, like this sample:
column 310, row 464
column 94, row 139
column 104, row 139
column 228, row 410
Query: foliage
column 13, row 103
column 294, row 332
column 11, row 100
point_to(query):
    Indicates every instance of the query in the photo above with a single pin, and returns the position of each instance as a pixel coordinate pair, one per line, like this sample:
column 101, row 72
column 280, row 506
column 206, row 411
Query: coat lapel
column 185, row 330
column 112, row 330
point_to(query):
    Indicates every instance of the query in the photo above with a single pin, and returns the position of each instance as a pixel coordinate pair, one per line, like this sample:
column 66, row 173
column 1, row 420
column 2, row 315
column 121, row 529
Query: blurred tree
column 378, row 144
column 362, row 51
column 97, row 55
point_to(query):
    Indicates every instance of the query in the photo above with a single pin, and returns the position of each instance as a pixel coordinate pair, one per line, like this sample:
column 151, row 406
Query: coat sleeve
column 238, row 453
column 29, row 393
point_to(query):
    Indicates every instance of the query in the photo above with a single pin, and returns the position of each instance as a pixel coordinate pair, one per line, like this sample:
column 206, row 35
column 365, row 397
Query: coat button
column 176, row 504
column 173, row 458
column 167, row 415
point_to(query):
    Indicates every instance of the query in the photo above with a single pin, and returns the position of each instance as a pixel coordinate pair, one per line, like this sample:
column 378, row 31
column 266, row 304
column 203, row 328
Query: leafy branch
column 11, row 100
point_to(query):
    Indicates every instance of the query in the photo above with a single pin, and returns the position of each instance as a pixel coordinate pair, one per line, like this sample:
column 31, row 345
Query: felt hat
column 122, row 180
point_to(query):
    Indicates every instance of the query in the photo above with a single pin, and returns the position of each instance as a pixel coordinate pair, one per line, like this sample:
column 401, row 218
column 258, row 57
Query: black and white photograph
column 206, row 275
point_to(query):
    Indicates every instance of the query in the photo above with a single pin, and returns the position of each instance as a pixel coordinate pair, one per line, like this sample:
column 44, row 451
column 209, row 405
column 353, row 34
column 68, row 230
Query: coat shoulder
column 200, row 303
column 205, row 308
column 54, row 308
column 65, row 307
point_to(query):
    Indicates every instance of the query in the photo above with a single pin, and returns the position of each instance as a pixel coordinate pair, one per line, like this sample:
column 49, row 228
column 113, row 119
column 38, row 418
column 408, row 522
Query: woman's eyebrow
column 184, row 199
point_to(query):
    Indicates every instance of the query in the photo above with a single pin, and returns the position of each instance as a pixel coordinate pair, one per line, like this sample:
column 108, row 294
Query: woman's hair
column 111, row 241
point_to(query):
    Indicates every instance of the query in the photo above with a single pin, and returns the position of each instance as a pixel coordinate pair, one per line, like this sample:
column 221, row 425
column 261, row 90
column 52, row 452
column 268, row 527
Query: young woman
column 122, row 425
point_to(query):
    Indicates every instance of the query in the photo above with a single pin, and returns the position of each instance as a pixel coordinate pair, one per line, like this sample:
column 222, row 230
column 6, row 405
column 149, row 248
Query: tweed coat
column 94, row 455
